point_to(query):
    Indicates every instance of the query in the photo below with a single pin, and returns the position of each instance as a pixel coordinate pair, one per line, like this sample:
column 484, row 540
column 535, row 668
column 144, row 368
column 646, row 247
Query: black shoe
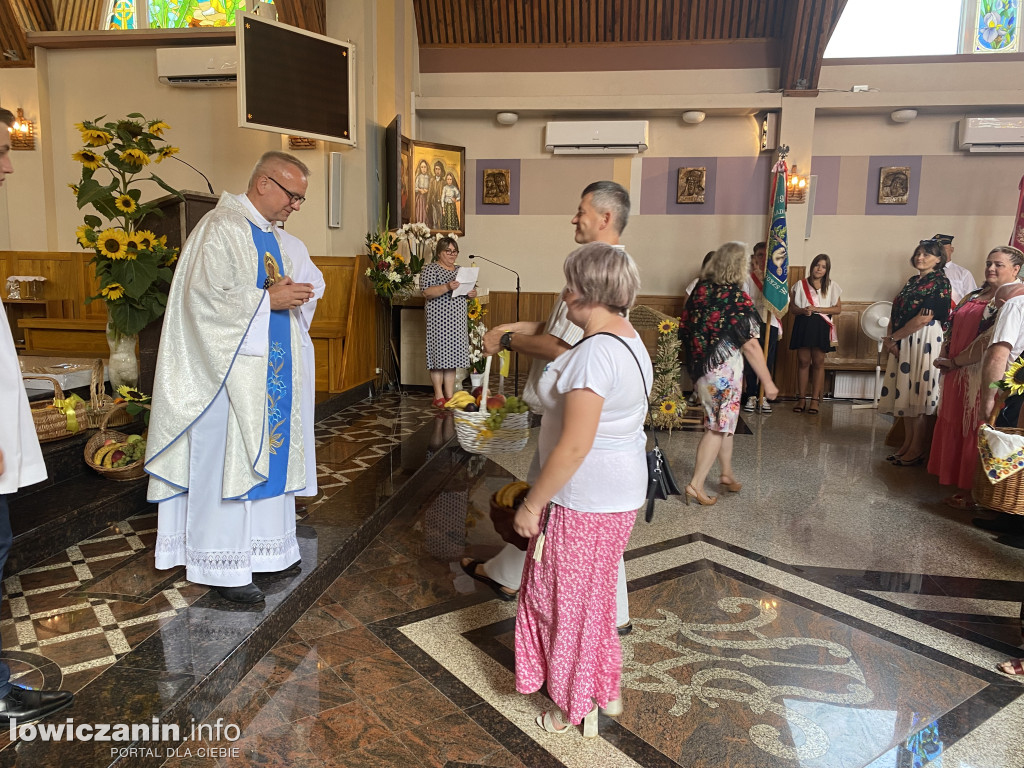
column 1011, row 540
column 1003, row 524
column 26, row 706
column 500, row 590
column 625, row 629
column 250, row 593
column 292, row 570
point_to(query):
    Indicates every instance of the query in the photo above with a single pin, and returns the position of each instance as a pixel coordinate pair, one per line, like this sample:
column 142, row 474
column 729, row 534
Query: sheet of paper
column 467, row 277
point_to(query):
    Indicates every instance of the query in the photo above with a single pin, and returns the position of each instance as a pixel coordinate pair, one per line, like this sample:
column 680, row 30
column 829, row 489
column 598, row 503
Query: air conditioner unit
column 597, row 137
column 992, row 134
column 214, row 66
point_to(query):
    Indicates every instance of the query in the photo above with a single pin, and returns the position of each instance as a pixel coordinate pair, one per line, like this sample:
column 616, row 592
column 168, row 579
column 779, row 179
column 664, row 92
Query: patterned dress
column 447, row 323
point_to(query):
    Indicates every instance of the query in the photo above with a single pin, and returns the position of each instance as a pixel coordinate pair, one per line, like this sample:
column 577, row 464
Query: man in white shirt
column 601, row 216
column 21, row 464
column 961, row 281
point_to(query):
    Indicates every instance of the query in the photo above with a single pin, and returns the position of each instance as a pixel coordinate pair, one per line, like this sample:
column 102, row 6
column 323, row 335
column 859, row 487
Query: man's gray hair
column 7, row 117
column 599, row 273
column 272, row 157
column 729, row 266
column 609, row 197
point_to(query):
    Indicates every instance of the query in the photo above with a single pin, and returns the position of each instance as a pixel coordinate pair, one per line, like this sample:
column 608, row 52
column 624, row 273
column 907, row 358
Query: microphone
column 482, row 258
column 208, row 184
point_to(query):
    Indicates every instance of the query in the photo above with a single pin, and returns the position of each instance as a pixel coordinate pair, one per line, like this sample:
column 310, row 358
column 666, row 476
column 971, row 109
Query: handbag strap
column 639, row 367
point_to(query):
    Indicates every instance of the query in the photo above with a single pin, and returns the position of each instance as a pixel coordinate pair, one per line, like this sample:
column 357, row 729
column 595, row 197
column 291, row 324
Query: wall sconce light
column 694, row 116
column 768, row 126
column 903, row 115
column 796, row 187
column 23, row 135
column 507, row 118
column 301, row 142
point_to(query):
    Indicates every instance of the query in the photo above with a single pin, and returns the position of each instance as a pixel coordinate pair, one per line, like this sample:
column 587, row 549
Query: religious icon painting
column 438, row 180
column 894, row 185
column 496, row 186
column 690, row 185
column 405, row 183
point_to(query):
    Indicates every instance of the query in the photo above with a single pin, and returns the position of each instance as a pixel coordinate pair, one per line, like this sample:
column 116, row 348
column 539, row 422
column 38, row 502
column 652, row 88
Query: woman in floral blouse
column 910, row 387
column 719, row 327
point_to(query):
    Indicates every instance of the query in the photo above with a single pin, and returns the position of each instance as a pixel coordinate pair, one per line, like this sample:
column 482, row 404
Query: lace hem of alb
column 265, row 554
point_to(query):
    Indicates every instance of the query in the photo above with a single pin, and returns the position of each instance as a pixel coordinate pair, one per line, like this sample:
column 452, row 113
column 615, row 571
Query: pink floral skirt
column 565, row 627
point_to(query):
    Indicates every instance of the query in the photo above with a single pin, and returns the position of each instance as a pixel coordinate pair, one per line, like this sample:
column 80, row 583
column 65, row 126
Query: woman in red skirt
column 579, row 513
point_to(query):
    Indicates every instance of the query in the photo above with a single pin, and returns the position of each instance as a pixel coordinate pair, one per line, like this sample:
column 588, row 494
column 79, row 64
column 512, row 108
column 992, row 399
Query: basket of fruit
column 116, row 455
column 490, row 423
column 503, row 512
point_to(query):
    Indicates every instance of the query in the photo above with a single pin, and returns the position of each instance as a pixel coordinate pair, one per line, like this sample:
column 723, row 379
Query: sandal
column 961, row 502
column 700, row 498
column 730, row 484
column 813, row 410
column 439, row 402
column 469, row 568
column 801, row 405
column 550, row 722
column 1011, row 667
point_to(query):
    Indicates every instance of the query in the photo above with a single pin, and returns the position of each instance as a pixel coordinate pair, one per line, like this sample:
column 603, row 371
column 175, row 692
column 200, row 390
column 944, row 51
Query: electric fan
column 874, row 321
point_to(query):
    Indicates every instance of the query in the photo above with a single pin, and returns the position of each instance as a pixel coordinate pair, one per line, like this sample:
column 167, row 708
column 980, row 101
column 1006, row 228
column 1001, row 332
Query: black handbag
column 660, row 482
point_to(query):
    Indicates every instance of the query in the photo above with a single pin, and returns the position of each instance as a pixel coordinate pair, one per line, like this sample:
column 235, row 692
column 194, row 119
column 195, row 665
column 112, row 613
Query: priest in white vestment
column 231, row 431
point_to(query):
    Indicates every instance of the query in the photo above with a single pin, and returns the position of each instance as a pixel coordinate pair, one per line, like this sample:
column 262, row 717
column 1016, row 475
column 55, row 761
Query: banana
column 102, row 453
column 460, row 399
column 506, row 495
column 108, row 458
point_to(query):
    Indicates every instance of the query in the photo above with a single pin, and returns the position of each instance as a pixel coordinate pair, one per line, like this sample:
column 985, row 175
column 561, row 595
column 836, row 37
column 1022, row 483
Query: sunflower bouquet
column 389, row 272
column 475, row 312
column 667, row 405
column 133, row 265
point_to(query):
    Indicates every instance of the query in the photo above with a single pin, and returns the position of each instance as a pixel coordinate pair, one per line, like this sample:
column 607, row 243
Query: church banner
column 776, row 267
column 1017, row 236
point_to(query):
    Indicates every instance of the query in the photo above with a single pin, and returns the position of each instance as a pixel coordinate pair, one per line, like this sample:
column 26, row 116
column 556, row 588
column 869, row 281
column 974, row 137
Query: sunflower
column 82, row 233
column 131, row 393
column 145, row 239
column 88, row 158
column 666, row 326
column 169, row 261
column 135, row 157
column 668, row 406
column 162, row 240
column 131, row 243
column 473, row 312
column 377, row 249
column 166, row 152
column 112, row 292
column 96, row 138
column 125, row 203
column 113, row 243
column 157, row 128
column 74, row 189
column 1014, row 378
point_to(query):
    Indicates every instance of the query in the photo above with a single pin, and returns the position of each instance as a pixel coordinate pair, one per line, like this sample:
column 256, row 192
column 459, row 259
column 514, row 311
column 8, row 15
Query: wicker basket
column 1006, row 495
column 101, row 404
column 502, row 518
column 131, row 471
column 53, row 423
column 475, row 437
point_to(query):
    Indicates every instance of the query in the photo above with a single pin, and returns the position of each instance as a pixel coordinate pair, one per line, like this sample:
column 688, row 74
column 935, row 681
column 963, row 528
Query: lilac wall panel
column 743, row 184
column 875, row 164
column 653, row 176
column 512, row 209
column 826, row 191
column 706, row 208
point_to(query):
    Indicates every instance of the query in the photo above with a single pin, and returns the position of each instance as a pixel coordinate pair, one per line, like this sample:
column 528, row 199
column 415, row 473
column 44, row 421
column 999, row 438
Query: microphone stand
column 508, row 269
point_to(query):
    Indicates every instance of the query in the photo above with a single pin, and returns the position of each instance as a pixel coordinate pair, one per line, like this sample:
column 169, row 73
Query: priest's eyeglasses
column 292, row 197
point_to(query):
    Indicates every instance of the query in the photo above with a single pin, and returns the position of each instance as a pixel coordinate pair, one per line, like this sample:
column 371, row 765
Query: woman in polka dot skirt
column 910, row 387
column 580, row 511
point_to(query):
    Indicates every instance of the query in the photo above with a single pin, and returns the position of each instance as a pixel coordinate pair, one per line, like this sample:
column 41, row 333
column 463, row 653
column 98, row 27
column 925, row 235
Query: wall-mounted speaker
column 334, row 192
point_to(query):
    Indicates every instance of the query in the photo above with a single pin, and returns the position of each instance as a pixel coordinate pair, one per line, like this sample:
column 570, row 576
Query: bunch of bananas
column 114, row 454
column 460, row 400
column 510, row 495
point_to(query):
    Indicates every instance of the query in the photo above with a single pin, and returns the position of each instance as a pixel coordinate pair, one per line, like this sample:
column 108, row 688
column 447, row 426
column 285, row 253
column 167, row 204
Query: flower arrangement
column 1013, row 380
column 133, row 265
column 667, row 406
column 475, row 312
column 388, row 271
column 420, row 240
column 135, row 402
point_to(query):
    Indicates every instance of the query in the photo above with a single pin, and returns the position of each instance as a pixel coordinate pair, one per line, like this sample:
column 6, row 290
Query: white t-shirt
column 613, row 476
column 828, row 300
column 1009, row 327
column 961, row 281
column 561, row 327
column 755, row 295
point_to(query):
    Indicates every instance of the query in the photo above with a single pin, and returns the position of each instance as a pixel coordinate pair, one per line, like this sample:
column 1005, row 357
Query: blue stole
column 279, row 370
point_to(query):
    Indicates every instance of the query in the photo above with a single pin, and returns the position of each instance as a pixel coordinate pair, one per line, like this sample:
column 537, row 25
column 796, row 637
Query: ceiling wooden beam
column 36, row 15
column 807, row 27
column 13, row 45
column 310, row 15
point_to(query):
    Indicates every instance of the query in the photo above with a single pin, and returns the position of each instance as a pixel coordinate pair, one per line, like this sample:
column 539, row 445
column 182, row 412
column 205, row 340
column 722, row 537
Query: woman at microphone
column 447, row 323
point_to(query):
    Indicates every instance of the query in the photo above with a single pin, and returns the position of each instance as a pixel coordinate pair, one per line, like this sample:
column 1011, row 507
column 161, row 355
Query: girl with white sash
column 815, row 303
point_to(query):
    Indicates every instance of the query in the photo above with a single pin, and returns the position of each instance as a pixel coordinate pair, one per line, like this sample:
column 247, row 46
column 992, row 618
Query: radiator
column 854, row 385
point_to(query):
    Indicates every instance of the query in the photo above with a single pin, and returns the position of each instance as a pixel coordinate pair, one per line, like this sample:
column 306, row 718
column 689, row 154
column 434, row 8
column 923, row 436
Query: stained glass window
column 997, row 26
column 173, row 14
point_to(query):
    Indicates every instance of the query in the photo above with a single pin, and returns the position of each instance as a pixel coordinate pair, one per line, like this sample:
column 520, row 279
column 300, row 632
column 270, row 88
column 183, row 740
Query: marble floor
column 832, row 614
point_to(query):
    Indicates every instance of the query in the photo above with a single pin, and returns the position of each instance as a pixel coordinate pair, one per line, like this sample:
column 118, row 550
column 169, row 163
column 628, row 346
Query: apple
column 494, row 402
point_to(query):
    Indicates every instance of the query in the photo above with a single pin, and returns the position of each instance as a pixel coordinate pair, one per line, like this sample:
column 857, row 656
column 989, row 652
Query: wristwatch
column 506, row 340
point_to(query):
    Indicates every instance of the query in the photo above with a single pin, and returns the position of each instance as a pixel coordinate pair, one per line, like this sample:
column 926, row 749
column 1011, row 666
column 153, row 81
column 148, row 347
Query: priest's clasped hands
column 287, row 294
